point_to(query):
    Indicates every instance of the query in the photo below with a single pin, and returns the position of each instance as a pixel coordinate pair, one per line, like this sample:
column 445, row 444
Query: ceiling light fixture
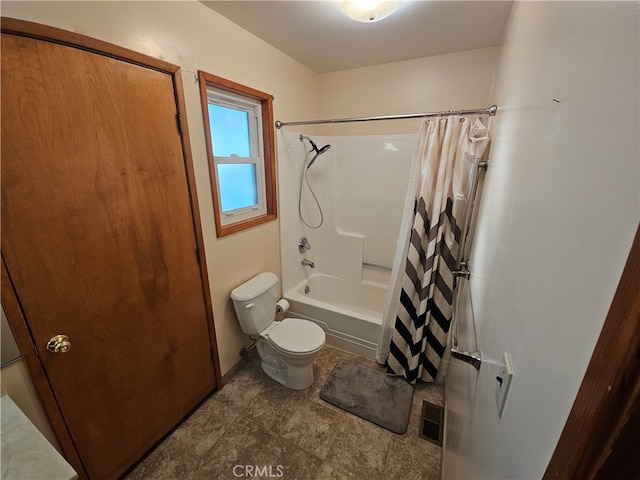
column 369, row 11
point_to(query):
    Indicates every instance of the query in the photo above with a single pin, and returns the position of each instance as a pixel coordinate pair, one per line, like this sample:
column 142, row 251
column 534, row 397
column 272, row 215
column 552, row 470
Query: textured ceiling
column 318, row 35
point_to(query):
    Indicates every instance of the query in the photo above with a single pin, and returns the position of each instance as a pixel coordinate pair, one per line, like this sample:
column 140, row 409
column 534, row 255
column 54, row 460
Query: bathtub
column 350, row 312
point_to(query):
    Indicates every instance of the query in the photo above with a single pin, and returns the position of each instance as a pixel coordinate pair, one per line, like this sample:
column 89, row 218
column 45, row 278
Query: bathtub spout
column 308, row 263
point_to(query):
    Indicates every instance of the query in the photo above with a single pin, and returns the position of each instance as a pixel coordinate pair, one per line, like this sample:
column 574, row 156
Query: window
column 238, row 124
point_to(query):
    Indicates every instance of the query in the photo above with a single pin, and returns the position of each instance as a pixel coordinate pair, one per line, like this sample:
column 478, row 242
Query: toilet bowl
column 287, row 348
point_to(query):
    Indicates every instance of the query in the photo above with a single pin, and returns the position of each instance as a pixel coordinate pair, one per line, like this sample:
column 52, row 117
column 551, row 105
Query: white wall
column 371, row 182
column 453, row 81
column 560, row 207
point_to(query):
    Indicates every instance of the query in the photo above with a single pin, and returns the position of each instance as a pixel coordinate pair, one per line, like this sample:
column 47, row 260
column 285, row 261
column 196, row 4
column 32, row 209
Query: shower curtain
column 420, row 300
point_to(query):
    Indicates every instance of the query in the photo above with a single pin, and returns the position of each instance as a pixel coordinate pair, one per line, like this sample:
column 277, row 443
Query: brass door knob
column 59, row 344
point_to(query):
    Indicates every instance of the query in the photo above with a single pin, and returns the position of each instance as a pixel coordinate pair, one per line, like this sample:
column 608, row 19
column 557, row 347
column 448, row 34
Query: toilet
column 286, row 348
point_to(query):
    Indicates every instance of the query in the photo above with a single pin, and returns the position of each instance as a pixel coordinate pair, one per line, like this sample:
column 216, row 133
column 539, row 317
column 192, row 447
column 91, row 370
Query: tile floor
column 254, row 421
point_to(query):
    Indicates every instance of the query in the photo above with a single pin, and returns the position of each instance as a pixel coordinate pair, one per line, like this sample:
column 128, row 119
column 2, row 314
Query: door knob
column 59, row 344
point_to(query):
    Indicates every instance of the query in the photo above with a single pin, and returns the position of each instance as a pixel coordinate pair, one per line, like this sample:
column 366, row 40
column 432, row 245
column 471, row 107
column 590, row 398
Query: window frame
column 265, row 173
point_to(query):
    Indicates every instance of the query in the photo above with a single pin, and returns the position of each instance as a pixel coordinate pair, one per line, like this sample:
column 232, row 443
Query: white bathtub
column 349, row 312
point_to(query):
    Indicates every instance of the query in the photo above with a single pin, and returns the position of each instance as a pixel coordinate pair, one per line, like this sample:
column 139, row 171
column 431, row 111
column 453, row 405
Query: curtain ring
column 462, row 119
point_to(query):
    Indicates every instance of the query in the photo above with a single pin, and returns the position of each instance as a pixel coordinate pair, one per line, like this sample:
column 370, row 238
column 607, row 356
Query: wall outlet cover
column 503, row 381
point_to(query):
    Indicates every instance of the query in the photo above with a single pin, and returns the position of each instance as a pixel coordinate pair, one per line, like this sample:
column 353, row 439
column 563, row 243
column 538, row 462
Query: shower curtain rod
column 491, row 111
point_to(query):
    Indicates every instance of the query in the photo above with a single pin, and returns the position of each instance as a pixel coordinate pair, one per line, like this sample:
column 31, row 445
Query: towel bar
column 472, row 358
column 462, row 272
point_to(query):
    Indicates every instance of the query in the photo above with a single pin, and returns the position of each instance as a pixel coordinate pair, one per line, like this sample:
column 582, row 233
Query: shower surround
column 360, row 183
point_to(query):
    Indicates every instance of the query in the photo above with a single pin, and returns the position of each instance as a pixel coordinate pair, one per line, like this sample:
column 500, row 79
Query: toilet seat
column 295, row 336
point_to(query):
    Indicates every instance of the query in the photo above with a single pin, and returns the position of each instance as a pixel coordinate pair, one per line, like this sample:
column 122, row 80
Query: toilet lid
column 297, row 336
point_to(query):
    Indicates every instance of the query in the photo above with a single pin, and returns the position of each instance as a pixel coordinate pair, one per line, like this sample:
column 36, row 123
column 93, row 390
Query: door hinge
column 198, row 255
column 179, row 123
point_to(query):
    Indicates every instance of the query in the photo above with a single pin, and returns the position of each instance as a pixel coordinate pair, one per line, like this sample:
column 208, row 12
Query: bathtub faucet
column 308, row 263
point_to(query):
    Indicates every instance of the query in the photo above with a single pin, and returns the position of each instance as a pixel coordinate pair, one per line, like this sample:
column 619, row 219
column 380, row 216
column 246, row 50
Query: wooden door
column 99, row 242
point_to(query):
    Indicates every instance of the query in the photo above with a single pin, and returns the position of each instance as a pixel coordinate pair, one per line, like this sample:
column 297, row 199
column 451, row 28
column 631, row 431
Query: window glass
column 238, row 185
column 229, row 131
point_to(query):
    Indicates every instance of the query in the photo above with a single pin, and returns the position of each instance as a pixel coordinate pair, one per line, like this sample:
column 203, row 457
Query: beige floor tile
column 413, row 441
column 433, row 469
column 359, row 449
column 168, row 461
column 408, row 463
column 329, row 472
column 313, row 392
column 280, row 455
column 237, row 449
column 429, row 391
column 205, row 426
column 312, row 428
column 329, row 356
column 273, row 406
column 261, row 428
column 244, row 386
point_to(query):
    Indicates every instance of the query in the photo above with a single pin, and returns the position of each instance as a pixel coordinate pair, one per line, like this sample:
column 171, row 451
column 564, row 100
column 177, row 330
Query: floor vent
column 431, row 422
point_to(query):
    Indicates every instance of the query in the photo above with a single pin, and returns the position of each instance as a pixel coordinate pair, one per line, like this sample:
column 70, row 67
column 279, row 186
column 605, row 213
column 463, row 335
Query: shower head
column 319, row 151
column 323, row 149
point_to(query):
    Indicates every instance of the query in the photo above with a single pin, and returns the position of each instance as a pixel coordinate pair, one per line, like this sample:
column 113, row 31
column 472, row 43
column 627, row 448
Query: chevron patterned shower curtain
column 446, row 151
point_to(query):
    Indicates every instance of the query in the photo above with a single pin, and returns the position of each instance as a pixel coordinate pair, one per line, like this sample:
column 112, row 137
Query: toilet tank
column 255, row 302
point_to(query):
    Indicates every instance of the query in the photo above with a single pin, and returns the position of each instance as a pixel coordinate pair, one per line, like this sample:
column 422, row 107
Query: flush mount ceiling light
column 369, row 11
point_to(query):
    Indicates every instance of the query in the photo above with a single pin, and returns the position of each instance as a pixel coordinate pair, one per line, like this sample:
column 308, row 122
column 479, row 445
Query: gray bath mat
column 374, row 396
